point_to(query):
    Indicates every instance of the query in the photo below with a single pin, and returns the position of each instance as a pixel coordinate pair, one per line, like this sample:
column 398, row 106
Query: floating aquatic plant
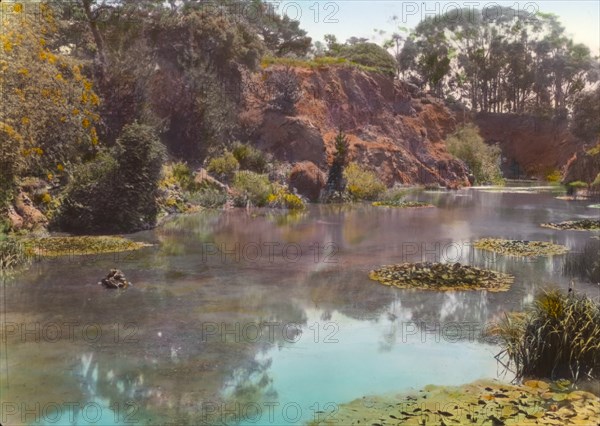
column 482, row 403
column 520, row 248
column 577, row 225
column 401, row 204
column 441, row 277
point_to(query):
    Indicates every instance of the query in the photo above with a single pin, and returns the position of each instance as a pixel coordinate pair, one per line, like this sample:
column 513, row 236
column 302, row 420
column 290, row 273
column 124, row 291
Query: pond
column 258, row 317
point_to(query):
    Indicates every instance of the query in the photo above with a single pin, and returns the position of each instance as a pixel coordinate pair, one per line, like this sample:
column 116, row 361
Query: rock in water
column 115, row 279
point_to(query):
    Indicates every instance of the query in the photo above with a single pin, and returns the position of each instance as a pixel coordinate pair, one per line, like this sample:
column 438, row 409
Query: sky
column 347, row 18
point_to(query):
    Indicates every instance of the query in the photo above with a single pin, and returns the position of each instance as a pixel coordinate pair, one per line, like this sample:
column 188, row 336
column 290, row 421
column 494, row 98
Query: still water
column 263, row 318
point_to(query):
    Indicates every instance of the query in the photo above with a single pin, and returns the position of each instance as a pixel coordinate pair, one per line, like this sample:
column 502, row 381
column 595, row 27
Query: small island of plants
column 575, row 225
column 441, row 277
column 520, row 248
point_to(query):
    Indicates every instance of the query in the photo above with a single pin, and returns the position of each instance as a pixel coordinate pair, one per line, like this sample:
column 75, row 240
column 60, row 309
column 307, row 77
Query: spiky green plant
column 559, row 337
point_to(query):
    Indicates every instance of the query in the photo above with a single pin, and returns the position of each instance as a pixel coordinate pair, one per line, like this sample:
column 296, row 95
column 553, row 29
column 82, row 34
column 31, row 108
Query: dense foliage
column 482, row 160
column 362, row 183
column 362, row 52
column 117, row 191
column 499, row 60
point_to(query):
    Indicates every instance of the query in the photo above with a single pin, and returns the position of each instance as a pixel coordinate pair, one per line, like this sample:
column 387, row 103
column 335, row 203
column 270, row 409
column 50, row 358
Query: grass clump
column 361, row 183
column 12, row 255
column 558, row 338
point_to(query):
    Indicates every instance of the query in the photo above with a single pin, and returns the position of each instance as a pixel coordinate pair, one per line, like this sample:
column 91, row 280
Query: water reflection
column 179, row 344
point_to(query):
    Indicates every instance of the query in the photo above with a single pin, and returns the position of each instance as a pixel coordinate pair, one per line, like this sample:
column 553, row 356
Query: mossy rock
column 575, row 225
column 65, row 246
column 402, row 204
column 441, row 277
column 520, row 247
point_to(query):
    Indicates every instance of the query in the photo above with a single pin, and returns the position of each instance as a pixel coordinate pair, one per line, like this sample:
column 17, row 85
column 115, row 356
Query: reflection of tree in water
column 585, row 264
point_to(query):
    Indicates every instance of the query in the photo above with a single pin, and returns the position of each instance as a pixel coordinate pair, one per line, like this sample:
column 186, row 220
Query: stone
column 32, row 217
column 115, row 279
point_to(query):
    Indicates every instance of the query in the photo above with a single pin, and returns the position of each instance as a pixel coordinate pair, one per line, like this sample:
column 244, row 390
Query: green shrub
column 211, row 198
column 482, row 160
column 554, row 176
column 250, row 158
column 184, row 176
column 251, row 188
column 362, row 183
column 282, row 198
column 224, row 166
column 558, row 338
column 370, row 55
column 117, row 191
column 596, row 182
column 10, row 144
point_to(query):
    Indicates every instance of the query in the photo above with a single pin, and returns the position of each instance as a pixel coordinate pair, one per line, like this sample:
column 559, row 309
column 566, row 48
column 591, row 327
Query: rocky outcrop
column 392, row 131
column 30, row 217
column 531, row 146
column 307, row 180
column 584, row 166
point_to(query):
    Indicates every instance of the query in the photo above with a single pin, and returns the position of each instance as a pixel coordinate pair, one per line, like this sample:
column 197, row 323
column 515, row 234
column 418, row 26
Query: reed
column 557, row 338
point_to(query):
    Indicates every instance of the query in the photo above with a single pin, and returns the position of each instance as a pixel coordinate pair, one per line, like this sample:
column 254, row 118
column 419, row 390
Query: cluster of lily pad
column 577, row 225
column 520, row 247
column 401, row 204
column 481, row 403
column 441, row 277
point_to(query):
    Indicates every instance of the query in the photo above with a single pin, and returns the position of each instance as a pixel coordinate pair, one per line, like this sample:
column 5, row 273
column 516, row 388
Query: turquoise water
column 191, row 342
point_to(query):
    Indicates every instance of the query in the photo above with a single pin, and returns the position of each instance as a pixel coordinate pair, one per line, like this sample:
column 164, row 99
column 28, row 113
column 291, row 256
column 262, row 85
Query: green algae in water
column 402, row 204
column 520, row 247
column 64, row 246
column 575, row 225
column 441, row 277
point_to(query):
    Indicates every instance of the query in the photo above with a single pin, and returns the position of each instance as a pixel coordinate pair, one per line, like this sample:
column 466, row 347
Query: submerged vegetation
column 441, row 277
column 520, row 248
column 559, row 337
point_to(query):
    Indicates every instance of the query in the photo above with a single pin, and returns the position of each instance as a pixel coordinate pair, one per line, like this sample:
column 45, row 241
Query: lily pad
column 441, row 277
column 520, row 247
column 470, row 404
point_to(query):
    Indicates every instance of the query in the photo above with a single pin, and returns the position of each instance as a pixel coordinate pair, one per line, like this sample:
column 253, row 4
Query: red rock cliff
column 392, row 131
